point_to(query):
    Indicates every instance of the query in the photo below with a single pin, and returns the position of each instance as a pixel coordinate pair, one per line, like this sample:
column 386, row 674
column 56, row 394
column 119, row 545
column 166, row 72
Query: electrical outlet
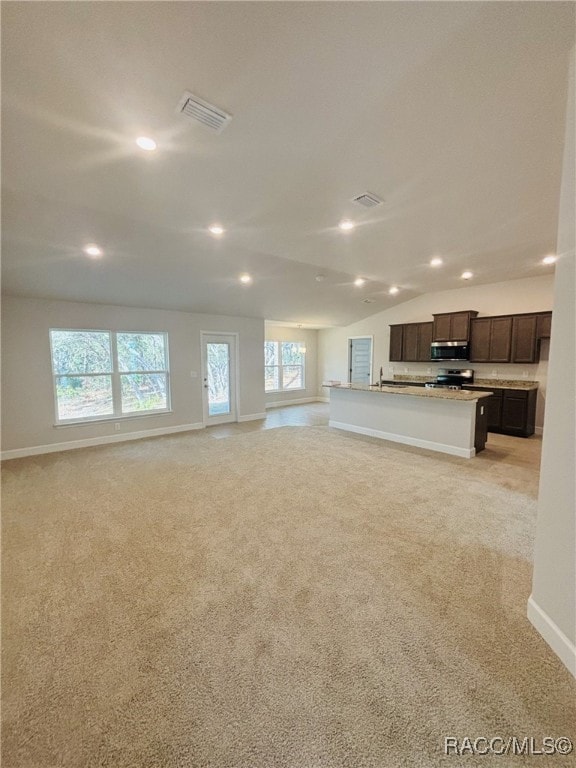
column 524, row 374
column 117, row 426
column 193, row 374
column 494, row 373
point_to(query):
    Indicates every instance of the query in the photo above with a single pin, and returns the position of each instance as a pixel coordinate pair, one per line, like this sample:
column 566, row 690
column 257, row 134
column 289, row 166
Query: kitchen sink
column 399, row 386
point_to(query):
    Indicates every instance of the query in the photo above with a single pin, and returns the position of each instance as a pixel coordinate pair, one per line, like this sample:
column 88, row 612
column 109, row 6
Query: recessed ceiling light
column 549, row 259
column 466, row 275
column 346, row 225
column 319, row 278
column 92, row 250
column 359, row 281
column 216, row 229
column 145, row 143
column 436, row 262
column 245, row 279
column 393, row 290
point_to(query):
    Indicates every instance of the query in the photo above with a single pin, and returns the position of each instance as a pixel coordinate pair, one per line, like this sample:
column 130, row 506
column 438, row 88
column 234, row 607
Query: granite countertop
column 492, row 383
column 435, row 394
column 506, row 384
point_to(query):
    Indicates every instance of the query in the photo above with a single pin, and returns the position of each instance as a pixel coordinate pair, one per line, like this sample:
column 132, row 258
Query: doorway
column 219, row 390
column 360, row 359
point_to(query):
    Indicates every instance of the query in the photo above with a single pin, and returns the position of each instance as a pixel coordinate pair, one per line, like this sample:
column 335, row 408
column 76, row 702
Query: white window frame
column 280, row 366
column 115, row 375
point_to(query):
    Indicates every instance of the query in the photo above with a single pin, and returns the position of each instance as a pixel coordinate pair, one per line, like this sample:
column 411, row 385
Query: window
column 283, row 365
column 104, row 375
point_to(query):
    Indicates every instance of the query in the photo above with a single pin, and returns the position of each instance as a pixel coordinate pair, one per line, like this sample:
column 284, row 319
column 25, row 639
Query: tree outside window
column 283, row 365
column 102, row 374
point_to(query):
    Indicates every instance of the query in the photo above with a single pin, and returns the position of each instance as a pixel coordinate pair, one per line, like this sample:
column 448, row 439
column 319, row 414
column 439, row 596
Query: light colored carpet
column 290, row 598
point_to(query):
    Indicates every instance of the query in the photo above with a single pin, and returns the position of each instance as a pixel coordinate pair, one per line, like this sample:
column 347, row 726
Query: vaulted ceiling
column 452, row 113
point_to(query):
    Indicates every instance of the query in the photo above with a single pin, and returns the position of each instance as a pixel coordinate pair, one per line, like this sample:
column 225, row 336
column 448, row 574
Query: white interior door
column 219, row 377
column 360, row 360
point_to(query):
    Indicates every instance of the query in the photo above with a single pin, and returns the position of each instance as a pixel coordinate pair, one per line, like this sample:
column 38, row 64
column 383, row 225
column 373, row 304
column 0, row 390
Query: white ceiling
column 451, row 112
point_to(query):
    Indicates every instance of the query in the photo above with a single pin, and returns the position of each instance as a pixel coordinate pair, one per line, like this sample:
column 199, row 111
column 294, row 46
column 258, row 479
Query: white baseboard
column 252, row 417
column 453, row 450
column 538, row 430
column 297, row 401
column 562, row 646
column 71, row 445
column 323, row 399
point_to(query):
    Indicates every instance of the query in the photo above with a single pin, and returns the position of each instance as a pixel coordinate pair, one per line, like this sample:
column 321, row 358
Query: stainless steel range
column 452, row 378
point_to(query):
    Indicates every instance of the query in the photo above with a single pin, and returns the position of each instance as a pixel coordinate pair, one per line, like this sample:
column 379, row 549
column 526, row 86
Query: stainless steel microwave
column 449, row 350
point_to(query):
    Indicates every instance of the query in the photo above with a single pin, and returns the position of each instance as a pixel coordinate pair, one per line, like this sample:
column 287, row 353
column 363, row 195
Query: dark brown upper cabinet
column 410, row 343
column 498, row 339
column 544, row 325
column 396, row 338
column 490, row 339
column 524, row 339
column 425, row 342
column 480, row 332
column 452, row 326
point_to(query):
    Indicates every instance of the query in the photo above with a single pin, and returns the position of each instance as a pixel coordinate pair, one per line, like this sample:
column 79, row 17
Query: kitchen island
column 448, row 421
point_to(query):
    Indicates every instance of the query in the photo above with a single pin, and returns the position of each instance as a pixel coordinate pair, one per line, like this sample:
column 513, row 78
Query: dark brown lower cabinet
column 481, row 429
column 494, row 411
column 493, row 408
column 519, row 412
column 511, row 411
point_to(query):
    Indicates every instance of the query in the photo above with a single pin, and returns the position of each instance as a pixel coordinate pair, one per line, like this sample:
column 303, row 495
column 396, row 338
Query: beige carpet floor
column 293, row 598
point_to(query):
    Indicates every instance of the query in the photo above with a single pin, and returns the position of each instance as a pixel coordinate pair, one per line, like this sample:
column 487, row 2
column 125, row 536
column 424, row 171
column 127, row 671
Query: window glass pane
column 141, row 351
column 82, row 397
column 271, row 353
column 291, row 354
column 81, row 352
column 271, row 377
column 143, row 392
column 292, row 377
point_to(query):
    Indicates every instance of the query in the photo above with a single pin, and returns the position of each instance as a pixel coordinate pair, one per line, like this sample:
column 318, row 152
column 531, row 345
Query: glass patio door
column 219, row 377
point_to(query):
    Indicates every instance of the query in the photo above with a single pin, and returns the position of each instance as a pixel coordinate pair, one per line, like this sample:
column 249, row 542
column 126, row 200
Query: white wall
column 27, row 392
column 310, row 339
column 552, row 605
column 534, row 294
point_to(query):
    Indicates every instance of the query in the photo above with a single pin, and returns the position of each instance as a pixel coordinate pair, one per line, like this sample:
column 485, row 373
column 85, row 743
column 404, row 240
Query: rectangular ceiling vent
column 368, row 200
column 202, row 112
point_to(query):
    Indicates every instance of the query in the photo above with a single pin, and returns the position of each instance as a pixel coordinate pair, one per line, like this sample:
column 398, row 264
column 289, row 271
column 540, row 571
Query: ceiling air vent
column 202, row 112
column 368, row 301
column 367, row 200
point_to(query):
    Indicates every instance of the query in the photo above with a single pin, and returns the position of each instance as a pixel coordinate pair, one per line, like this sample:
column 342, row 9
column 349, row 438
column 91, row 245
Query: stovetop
column 436, row 385
column 452, row 378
